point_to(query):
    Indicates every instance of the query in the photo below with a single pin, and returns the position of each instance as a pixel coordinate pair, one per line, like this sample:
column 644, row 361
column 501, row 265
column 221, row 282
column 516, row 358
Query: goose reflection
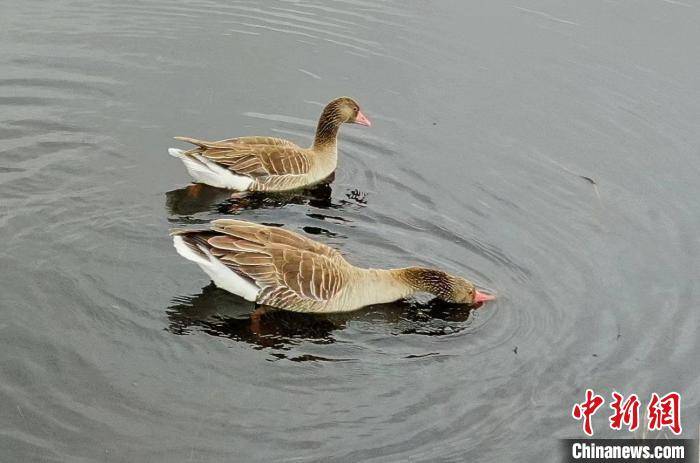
column 219, row 313
column 197, row 197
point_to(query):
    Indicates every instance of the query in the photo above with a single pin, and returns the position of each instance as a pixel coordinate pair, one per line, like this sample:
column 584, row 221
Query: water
column 547, row 150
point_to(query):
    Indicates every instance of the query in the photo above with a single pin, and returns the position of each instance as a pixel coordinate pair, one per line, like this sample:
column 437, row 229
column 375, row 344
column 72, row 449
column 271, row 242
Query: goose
column 275, row 267
column 269, row 163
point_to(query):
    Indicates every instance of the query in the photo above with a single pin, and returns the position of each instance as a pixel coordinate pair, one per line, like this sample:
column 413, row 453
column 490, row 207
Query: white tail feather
column 211, row 173
column 221, row 275
column 176, row 152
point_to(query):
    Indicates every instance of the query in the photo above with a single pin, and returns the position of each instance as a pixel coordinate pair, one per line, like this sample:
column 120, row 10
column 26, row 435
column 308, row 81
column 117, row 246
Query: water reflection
column 196, row 198
column 218, row 313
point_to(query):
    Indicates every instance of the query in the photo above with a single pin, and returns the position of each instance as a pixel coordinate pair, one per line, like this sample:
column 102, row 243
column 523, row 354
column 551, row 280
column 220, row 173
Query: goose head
column 351, row 113
column 449, row 288
column 344, row 110
column 464, row 292
column 339, row 111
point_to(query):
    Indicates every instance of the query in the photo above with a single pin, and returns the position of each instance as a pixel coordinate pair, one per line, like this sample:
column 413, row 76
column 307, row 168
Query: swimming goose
column 279, row 268
column 268, row 163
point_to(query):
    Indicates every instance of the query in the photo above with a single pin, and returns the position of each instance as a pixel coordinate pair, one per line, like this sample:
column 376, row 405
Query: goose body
column 276, row 267
column 269, row 163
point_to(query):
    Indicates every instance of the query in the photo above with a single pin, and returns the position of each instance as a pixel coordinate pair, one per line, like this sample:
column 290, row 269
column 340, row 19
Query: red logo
column 662, row 412
column 665, row 412
column 587, row 409
column 626, row 413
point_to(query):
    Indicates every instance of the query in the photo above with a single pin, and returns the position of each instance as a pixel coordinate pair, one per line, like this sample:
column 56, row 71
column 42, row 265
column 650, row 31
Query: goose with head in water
column 279, row 268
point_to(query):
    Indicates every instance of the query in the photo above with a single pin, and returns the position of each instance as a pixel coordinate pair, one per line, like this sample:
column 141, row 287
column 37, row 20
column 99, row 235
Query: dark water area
column 550, row 151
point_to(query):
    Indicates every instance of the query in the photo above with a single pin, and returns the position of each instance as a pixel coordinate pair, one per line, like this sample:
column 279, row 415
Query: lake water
column 550, row 151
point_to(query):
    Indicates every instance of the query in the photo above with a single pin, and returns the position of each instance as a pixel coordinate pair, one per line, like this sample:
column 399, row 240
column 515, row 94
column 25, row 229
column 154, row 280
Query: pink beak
column 483, row 297
column 362, row 119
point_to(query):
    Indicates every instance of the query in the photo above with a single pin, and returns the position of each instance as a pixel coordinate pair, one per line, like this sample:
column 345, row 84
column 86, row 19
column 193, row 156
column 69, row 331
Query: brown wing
column 260, row 160
column 262, row 236
column 288, row 277
column 257, row 157
column 292, row 272
column 255, row 140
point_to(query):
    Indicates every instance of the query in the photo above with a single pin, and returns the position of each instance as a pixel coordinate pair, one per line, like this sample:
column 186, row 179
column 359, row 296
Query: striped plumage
column 279, row 268
column 268, row 163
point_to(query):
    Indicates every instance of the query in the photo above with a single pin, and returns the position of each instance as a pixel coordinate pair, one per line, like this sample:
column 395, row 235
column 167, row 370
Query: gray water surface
column 550, row 151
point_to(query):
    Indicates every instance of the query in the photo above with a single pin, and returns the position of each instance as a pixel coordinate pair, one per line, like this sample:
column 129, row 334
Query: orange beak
column 483, row 297
column 362, row 119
